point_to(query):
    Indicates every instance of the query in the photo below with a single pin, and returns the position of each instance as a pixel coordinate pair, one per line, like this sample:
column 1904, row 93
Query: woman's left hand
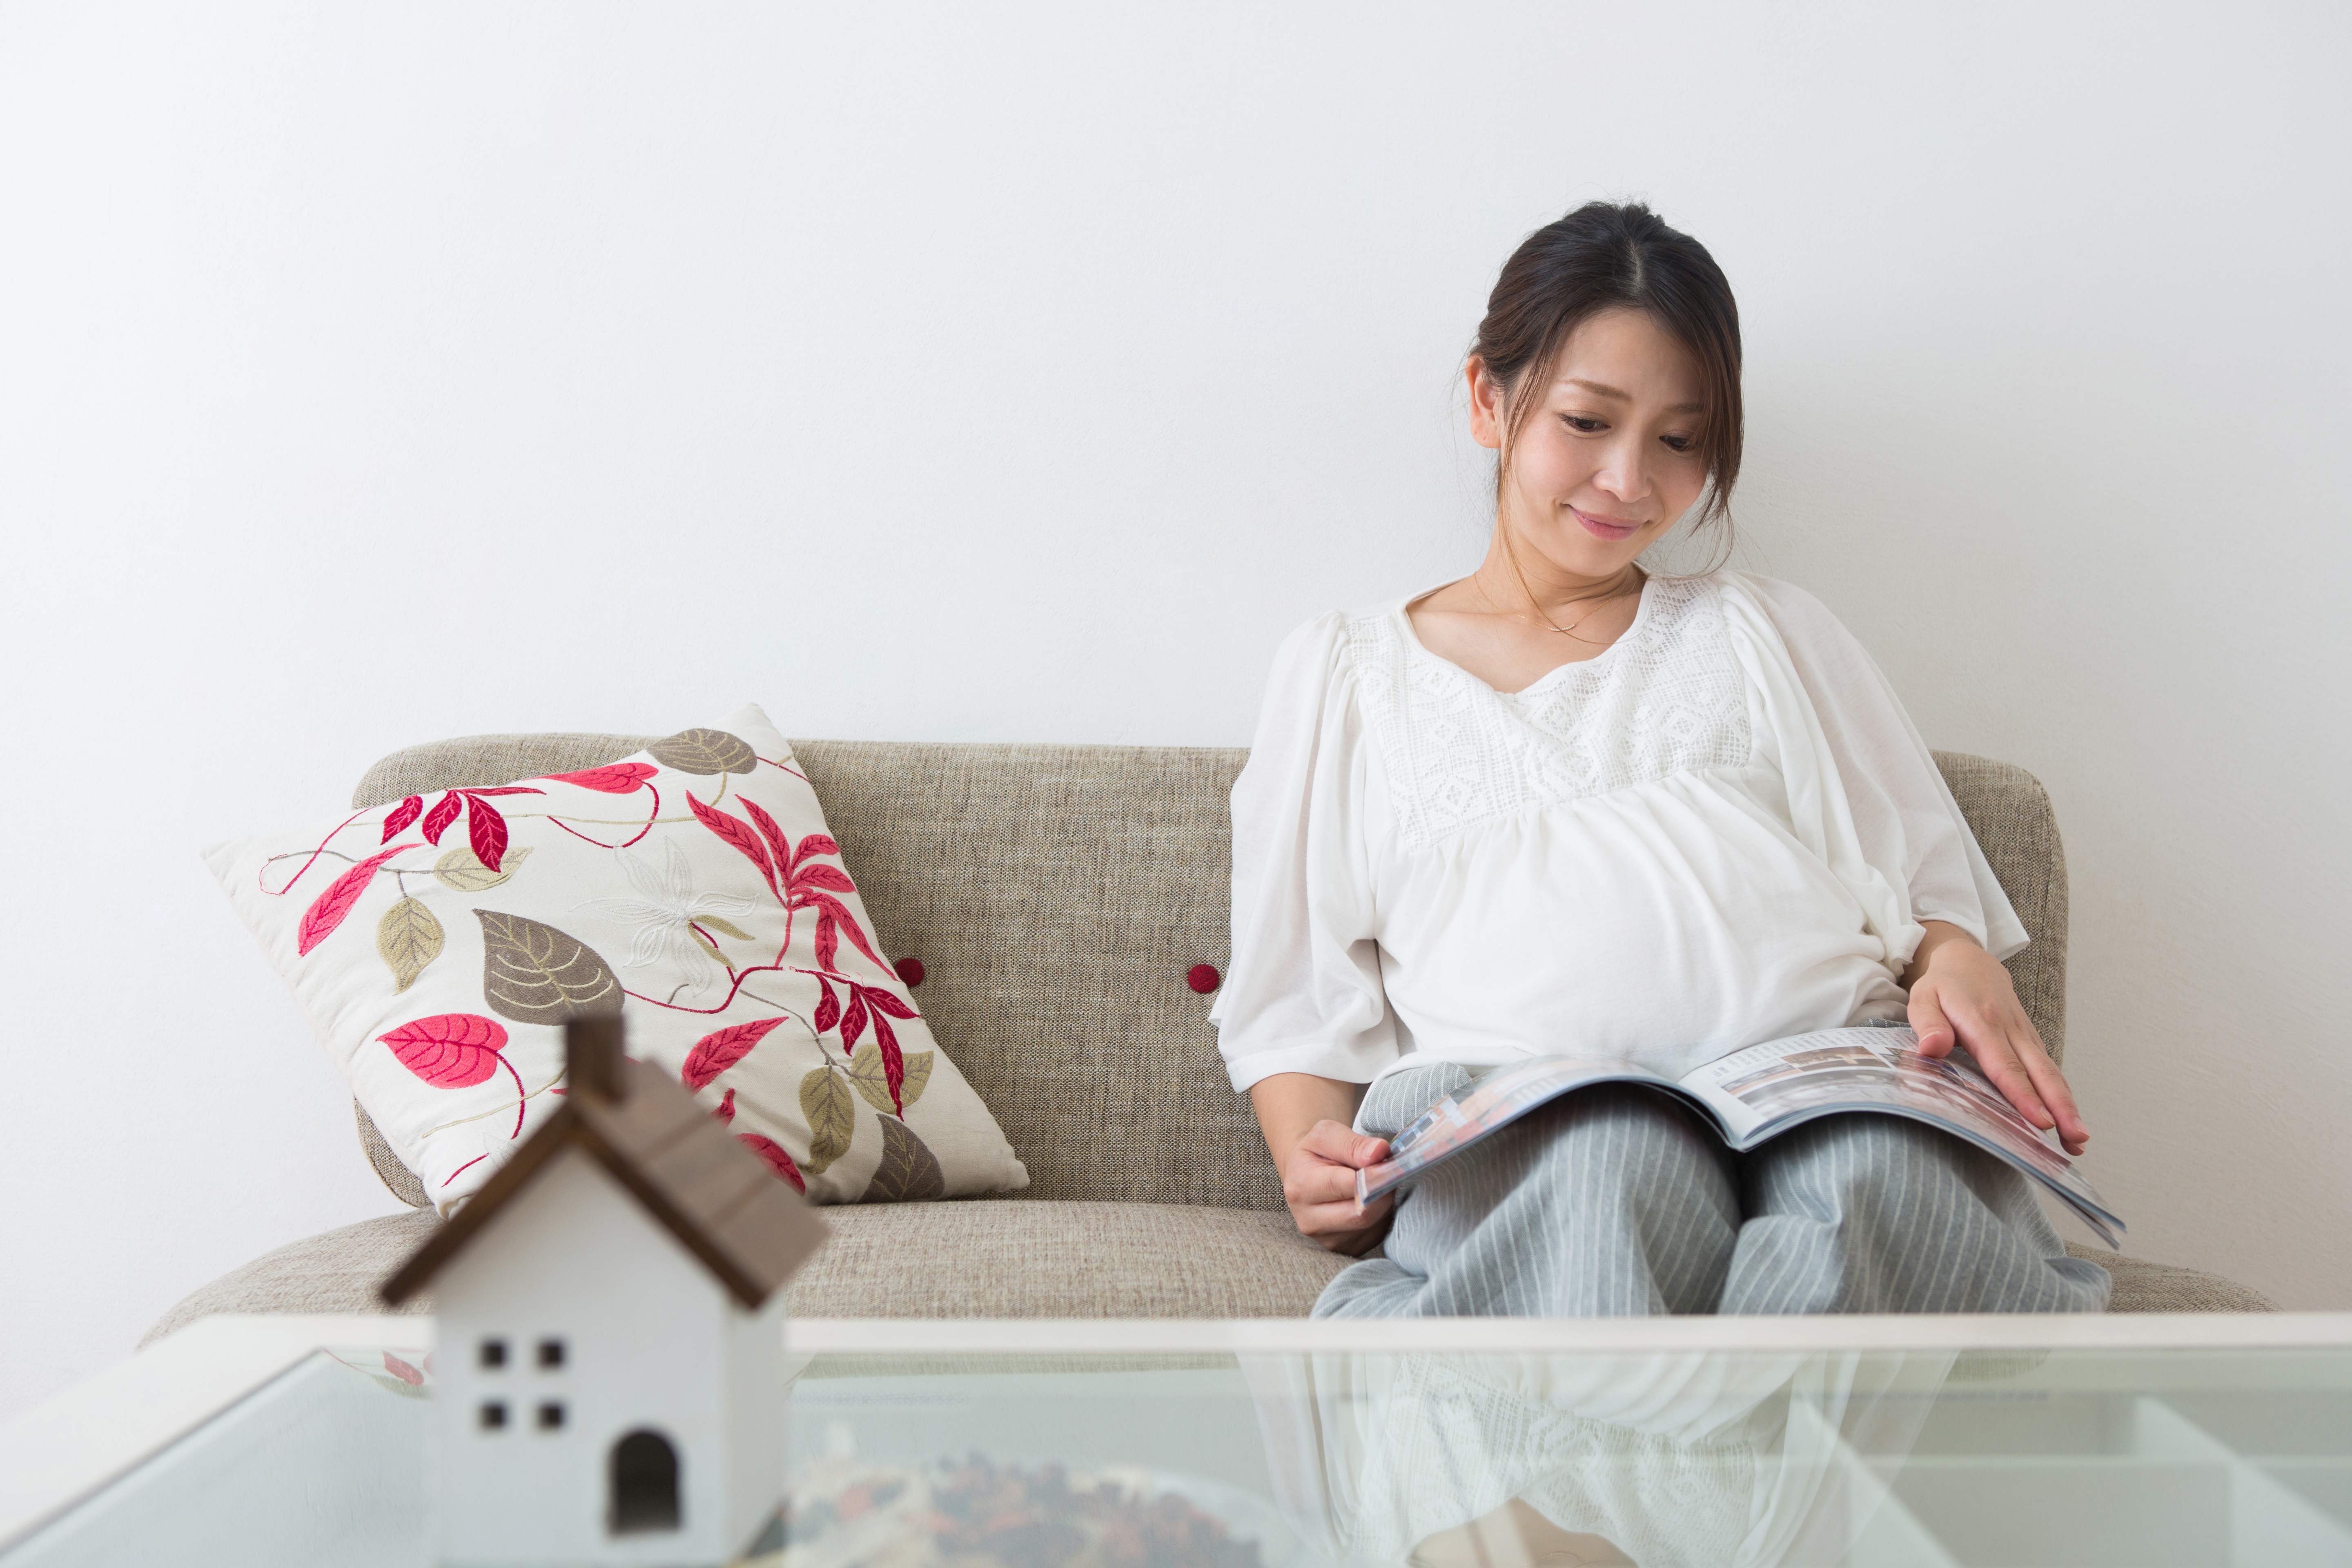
column 1961, row 995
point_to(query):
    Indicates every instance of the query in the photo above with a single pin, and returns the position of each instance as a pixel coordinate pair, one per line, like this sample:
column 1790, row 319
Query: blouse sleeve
column 1302, row 991
column 1864, row 790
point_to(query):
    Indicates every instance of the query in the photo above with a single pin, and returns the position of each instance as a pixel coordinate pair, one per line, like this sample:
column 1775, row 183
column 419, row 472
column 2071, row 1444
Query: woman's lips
column 1605, row 527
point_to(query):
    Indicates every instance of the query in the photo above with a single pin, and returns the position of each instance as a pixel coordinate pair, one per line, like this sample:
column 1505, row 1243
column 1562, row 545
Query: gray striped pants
column 1616, row 1201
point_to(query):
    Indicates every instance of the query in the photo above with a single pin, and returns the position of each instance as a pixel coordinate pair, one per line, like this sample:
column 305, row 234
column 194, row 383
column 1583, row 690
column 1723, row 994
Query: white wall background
column 376, row 372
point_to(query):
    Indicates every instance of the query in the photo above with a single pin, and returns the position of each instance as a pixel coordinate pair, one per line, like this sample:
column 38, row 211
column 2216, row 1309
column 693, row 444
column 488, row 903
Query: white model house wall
column 648, row 1337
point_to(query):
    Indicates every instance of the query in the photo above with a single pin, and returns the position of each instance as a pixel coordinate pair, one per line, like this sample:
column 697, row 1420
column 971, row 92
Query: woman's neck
column 1537, row 589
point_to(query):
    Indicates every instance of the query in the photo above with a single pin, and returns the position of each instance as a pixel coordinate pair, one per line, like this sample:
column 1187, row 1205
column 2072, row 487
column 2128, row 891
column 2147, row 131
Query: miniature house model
column 610, row 1331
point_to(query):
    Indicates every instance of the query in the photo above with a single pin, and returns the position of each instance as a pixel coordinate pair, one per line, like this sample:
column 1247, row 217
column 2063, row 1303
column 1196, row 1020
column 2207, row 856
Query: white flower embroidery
column 664, row 912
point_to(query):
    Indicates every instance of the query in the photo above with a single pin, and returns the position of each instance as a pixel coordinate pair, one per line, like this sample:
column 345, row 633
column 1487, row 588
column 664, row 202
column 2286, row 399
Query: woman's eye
column 1679, row 442
column 1583, row 425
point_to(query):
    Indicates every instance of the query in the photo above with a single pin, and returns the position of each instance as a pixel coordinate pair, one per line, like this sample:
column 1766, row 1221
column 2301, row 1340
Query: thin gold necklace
column 1566, row 631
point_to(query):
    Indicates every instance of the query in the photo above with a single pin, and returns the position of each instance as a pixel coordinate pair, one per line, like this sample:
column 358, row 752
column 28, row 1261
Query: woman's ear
column 1485, row 406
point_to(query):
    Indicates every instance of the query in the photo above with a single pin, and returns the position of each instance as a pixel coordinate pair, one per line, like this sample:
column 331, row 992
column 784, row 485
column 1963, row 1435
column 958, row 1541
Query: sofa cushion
column 980, row 1258
column 334, row 1272
column 1014, row 1260
column 1000, row 1257
column 2144, row 1287
column 695, row 889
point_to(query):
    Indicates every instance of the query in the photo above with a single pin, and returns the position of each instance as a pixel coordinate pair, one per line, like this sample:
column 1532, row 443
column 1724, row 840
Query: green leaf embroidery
column 461, row 870
column 909, row 1172
column 865, row 1074
column 535, row 973
column 832, row 1119
column 726, row 928
column 407, row 939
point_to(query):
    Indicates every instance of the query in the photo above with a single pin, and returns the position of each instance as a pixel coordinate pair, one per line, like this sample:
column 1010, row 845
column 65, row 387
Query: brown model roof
column 720, row 1200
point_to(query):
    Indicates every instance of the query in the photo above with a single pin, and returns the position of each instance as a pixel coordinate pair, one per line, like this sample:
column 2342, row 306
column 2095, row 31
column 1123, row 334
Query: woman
column 1564, row 806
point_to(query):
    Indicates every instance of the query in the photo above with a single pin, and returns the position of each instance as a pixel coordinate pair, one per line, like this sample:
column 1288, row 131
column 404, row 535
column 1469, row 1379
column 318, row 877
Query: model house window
column 644, row 1470
column 494, row 1415
column 493, row 1353
column 550, row 1354
column 550, row 1415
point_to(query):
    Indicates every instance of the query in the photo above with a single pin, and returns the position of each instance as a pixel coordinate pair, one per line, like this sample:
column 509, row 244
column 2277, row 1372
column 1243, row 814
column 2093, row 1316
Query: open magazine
column 1756, row 1094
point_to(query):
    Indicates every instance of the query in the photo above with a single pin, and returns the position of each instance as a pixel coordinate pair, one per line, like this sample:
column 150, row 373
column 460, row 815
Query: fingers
column 1988, row 1040
column 2007, row 1047
column 1927, row 1021
column 1360, row 1230
column 2051, row 1084
column 1978, row 1008
column 2031, row 1081
column 1342, row 1144
column 1319, row 1185
column 1999, row 1061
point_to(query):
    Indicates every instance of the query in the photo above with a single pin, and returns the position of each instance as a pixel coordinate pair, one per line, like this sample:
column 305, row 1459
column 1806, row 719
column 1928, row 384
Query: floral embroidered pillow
column 436, row 945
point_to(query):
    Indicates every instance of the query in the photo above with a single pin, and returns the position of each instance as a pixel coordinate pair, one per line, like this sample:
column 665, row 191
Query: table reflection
column 1494, row 1461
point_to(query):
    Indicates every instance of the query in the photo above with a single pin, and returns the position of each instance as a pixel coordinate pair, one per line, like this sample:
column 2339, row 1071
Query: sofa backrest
column 1058, row 896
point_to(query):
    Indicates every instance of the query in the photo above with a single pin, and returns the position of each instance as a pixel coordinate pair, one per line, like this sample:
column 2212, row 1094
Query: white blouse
column 1722, row 830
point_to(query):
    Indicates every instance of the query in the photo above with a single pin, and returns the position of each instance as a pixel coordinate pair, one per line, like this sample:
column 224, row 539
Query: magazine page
column 1502, row 1096
column 1768, row 1089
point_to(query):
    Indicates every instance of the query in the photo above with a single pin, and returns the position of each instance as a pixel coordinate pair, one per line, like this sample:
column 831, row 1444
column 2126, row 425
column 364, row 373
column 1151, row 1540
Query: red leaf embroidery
column 830, row 877
column 406, row 812
column 445, row 812
column 735, row 832
column 620, row 778
column 815, row 843
column 726, row 1111
column 778, row 1160
column 828, row 940
column 486, row 828
column 320, row 921
column 403, row 1371
column 840, row 911
column 449, row 1050
column 828, row 1007
column 894, row 1061
column 768, row 830
column 716, row 1052
column 853, row 1018
column 883, row 1002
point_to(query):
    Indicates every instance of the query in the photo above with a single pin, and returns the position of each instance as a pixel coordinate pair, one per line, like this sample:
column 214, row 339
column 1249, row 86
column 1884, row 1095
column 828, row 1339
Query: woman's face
column 1609, row 458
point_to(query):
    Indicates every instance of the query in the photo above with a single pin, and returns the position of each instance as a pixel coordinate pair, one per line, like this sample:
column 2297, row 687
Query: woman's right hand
column 1318, row 1181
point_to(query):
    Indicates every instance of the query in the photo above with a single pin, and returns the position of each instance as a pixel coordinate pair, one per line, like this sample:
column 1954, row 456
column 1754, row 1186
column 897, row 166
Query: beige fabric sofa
column 1058, row 896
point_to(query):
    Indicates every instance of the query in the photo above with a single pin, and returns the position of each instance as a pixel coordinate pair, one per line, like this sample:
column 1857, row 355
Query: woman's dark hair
column 1601, row 256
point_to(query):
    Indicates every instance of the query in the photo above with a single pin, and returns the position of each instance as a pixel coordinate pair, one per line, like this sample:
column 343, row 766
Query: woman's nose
column 1624, row 475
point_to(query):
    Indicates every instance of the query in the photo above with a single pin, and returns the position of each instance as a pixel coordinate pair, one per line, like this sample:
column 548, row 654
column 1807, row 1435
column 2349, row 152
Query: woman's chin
column 1578, row 555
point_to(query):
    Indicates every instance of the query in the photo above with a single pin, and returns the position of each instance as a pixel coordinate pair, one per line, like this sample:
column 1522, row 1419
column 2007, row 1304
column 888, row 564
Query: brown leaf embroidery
column 832, row 1118
column 909, row 1172
column 407, row 939
column 704, row 751
column 874, row 1087
column 462, row 871
column 535, row 973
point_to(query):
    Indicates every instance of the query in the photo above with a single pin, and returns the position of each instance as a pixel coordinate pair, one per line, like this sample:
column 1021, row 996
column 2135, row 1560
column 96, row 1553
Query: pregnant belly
column 1664, row 937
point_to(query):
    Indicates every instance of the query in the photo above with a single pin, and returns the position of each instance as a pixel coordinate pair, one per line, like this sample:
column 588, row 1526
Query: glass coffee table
column 2148, row 1441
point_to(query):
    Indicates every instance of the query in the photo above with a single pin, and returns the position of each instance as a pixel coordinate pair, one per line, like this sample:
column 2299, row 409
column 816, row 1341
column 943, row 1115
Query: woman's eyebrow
column 1601, row 390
